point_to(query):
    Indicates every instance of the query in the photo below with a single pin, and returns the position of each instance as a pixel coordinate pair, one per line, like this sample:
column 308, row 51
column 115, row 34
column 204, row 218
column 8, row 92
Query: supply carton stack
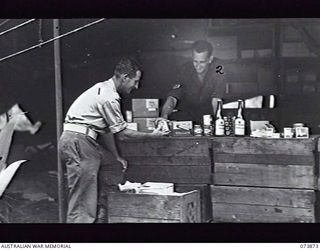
column 145, row 112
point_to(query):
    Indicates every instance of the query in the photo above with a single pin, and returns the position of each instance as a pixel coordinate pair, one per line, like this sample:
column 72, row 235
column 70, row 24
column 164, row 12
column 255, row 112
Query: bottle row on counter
column 145, row 117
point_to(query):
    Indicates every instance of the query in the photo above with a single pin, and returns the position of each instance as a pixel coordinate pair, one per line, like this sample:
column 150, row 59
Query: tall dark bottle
column 219, row 122
column 239, row 123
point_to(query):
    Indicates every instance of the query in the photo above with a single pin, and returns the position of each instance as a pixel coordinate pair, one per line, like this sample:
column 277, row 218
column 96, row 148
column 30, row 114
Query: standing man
column 199, row 85
column 95, row 113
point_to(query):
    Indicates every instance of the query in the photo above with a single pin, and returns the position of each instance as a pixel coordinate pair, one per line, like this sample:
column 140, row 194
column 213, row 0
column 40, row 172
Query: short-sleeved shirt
column 98, row 108
column 194, row 97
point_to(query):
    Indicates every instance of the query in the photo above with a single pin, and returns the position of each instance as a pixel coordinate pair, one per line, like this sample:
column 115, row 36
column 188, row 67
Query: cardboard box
column 156, row 188
column 154, row 208
column 143, row 108
column 133, row 126
column 182, row 128
column 145, row 124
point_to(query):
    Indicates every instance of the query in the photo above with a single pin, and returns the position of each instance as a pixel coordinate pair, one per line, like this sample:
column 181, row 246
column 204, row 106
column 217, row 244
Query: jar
column 197, row 130
column 207, row 130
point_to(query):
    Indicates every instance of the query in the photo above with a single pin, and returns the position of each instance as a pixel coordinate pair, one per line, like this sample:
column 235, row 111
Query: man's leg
column 82, row 160
column 109, row 177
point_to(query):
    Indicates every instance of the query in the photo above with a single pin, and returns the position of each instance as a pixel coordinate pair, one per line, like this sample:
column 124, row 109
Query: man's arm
column 168, row 107
column 130, row 134
column 109, row 143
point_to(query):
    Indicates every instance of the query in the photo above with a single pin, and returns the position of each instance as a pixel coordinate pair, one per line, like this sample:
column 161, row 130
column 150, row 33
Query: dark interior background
column 261, row 56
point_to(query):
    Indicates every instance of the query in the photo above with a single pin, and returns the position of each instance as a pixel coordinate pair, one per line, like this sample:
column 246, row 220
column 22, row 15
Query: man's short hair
column 202, row 46
column 126, row 66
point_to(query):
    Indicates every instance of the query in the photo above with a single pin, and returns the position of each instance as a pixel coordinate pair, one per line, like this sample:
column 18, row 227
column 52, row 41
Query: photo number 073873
column 309, row 245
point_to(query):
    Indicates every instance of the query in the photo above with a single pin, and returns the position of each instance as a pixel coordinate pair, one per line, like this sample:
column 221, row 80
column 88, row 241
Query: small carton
column 302, row 132
column 145, row 108
column 156, row 188
column 288, row 133
column 145, row 124
column 182, row 128
column 132, row 125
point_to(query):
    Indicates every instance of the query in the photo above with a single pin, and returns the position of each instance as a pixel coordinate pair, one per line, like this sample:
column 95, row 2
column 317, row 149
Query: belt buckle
column 87, row 131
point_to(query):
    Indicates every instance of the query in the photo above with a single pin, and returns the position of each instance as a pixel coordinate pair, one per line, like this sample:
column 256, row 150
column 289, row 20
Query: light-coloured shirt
column 98, row 108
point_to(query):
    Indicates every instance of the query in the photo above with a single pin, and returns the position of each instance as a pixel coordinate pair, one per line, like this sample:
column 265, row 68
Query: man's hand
column 124, row 163
column 160, row 119
column 158, row 132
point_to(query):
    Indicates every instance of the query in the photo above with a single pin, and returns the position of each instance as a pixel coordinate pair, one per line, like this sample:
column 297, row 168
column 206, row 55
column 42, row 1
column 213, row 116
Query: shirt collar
column 113, row 86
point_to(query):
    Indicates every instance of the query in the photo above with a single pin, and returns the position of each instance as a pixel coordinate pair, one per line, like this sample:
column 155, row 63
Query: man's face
column 129, row 84
column 201, row 61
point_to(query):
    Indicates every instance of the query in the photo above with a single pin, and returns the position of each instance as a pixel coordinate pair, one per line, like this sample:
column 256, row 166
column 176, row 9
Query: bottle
column 219, row 122
column 239, row 122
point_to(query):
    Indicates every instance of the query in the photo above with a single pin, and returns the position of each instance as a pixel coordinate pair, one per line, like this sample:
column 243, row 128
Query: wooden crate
column 317, row 169
column 205, row 198
column 283, row 163
column 252, row 204
column 4, row 211
column 175, row 160
column 152, row 208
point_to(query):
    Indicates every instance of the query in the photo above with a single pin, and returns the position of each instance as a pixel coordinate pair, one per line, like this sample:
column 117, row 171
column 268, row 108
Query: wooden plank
column 263, row 175
column 248, row 145
column 169, row 160
column 172, row 147
column 174, row 174
column 263, row 196
column 205, row 198
column 259, row 213
column 122, row 219
column 264, row 159
column 179, row 207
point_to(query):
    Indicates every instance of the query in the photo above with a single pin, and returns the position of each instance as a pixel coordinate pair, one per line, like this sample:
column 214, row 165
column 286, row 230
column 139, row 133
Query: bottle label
column 239, row 128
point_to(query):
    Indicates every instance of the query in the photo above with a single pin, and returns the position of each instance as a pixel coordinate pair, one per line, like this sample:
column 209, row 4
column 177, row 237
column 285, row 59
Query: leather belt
column 80, row 129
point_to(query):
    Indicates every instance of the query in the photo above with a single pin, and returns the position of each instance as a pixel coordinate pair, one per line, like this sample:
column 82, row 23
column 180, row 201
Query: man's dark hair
column 202, row 46
column 126, row 66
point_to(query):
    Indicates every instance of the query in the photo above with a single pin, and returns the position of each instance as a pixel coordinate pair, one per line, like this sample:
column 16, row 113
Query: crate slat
column 172, row 147
column 173, row 174
column 247, row 145
column 264, row 159
column 169, row 160
column 288, row 176
column 258, row 213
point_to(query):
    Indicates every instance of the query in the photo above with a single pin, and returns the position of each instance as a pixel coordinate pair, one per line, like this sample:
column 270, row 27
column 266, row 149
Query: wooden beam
column 59, row 113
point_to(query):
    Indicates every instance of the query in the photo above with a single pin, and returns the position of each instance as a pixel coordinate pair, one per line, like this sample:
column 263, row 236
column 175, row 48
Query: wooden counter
column 241, row 179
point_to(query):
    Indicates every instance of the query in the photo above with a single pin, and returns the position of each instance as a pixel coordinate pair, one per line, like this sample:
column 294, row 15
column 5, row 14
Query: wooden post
column 59, row 114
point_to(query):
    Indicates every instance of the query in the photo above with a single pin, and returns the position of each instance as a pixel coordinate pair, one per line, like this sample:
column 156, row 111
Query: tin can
column 207, row 130
column 128, row 115
column 207, row 120
column 197, row 130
